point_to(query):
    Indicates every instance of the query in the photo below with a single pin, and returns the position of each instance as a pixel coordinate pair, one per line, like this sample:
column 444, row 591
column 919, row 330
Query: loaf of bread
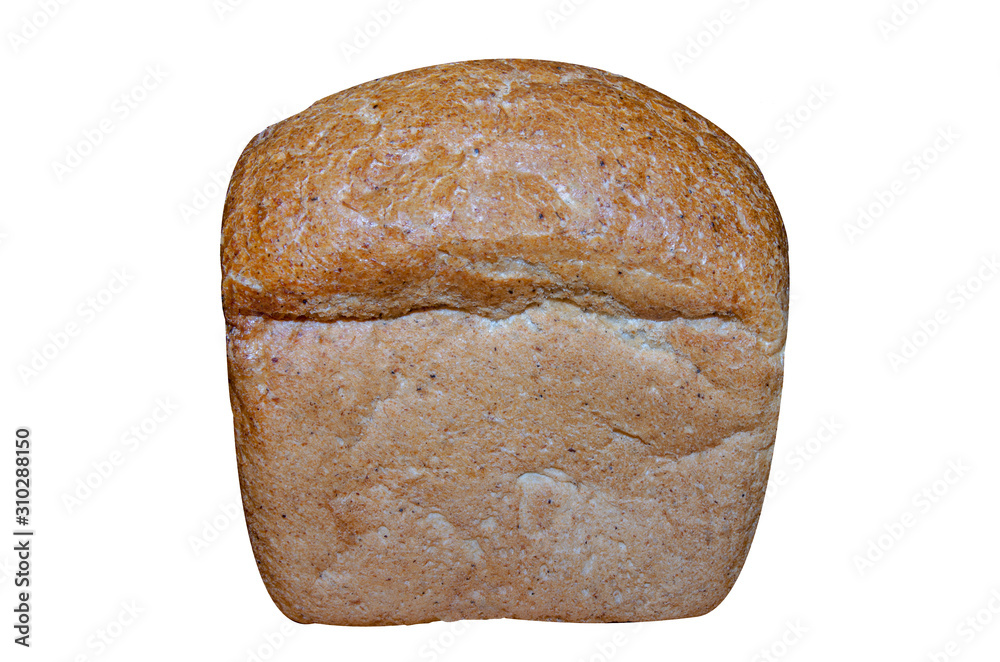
column 505, row 340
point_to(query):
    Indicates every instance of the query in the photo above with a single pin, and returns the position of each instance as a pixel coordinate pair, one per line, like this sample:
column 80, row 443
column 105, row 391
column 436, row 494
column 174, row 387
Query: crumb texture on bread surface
column 505, row 340
column 557, row 465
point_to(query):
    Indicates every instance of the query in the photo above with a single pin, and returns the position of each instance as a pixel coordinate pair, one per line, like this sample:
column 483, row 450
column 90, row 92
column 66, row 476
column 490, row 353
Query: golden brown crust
column 505, row 340
column 491, row 185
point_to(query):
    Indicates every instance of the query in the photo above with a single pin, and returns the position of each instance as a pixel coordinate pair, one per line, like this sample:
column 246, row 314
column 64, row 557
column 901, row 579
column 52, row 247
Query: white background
column 881, row 536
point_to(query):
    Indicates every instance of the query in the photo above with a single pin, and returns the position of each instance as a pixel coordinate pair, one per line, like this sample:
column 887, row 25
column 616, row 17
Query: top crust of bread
column 489, row 186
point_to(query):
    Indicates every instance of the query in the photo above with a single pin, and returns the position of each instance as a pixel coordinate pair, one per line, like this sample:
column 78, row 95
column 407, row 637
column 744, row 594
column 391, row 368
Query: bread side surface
column 556, row 465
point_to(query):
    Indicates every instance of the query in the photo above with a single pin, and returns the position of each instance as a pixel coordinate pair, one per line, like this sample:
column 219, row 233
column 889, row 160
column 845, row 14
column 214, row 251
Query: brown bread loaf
column 505, row 339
